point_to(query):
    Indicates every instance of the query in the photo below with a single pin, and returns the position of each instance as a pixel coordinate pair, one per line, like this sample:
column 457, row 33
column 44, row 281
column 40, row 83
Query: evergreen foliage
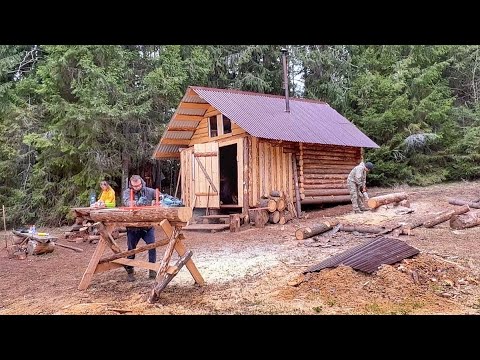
column 73, row 115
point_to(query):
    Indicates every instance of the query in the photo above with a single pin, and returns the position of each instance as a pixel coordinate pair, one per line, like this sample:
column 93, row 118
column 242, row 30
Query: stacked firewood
column 275, row 208
column 87, row 230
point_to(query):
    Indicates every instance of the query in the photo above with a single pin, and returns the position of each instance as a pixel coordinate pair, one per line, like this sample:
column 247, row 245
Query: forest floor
column 256, row 271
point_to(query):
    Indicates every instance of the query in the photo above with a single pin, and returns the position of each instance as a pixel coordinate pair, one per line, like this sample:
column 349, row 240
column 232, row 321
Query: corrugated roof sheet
column 264, row 116
column 369, row 256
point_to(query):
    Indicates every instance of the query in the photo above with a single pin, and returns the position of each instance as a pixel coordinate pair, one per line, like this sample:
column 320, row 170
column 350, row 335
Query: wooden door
column 186, row 176
column 206, row 175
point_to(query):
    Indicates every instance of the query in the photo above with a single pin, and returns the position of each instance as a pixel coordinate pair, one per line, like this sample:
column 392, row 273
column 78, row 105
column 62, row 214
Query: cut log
column 285, row 217
column 362, row 229
column 307, row 232
column 445, row 215
column 325, row 199
column 464, row 221
column 76, row 227
column 377, row 201
column 234, row 222
column 473, row 205
column 69, row 247
column 143, row 214
column 270, row 204
column 274, row 217
column 327, row 192
column 37, row 248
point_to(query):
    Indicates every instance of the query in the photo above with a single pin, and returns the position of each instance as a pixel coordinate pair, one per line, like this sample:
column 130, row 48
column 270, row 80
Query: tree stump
column 37, row 248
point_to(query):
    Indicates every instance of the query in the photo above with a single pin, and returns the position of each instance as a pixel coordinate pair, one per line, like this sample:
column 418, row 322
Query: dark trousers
column 133, row 237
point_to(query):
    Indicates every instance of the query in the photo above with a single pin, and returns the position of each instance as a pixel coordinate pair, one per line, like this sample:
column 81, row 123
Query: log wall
column 323, row 171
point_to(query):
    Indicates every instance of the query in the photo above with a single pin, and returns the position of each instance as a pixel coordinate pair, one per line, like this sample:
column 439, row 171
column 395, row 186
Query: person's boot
column 130, row 275
column 152, row 274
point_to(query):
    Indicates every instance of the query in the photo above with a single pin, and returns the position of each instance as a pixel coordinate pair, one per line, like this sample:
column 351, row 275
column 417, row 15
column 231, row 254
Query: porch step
column 214, row 216
column 212, row 227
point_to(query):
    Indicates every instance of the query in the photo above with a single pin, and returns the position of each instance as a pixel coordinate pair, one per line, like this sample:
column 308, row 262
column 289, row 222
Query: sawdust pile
column 420, row 285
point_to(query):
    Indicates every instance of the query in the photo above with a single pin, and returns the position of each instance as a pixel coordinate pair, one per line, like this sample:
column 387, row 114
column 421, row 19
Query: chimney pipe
column 285, row 77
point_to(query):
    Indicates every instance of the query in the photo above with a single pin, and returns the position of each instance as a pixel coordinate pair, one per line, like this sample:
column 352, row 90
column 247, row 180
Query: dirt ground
column 259, row 271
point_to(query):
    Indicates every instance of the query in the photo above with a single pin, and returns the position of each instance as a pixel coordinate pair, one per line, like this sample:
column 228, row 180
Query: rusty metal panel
column 369, row 256
column 178, row 134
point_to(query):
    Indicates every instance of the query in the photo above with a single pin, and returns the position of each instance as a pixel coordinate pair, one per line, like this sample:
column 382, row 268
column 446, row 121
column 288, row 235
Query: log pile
column 460, row 218
column 275, row 208
column 86, row 230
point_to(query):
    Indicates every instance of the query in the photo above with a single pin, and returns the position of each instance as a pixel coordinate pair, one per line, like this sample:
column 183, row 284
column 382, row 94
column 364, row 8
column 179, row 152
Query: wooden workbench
column 170, row 219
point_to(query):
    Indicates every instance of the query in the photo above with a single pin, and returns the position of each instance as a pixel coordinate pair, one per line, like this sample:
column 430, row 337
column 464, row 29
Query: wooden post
column 246, row 163
column 297, row 190
column 234, row 222
column 4, row 224
column 178, row 183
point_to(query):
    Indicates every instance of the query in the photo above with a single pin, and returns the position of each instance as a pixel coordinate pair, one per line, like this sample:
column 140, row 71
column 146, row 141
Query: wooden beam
column 205, row 154
column 92, row 265
column 163, row 155
column 186, row 105
column 180, row 117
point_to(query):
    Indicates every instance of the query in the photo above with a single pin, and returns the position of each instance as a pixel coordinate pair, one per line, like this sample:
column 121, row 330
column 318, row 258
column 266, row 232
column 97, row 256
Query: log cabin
column 235, row 147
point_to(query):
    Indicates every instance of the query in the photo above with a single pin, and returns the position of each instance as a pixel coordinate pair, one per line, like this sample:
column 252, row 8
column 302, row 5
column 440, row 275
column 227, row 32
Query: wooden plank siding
column 186, row 173
column 270, row 169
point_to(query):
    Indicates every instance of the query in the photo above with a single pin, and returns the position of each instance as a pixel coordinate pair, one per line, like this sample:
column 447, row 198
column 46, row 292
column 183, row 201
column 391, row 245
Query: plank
column 207, row 227
column 88, row 274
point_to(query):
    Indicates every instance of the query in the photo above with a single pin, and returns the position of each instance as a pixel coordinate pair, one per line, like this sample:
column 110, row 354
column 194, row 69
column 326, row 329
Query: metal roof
column 263, row 116
column 369, row 256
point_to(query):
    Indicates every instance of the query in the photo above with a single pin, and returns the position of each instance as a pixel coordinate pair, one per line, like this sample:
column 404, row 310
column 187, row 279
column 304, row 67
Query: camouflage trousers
column 356, row 196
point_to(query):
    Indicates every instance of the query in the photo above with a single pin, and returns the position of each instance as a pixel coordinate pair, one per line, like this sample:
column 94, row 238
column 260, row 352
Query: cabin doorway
column 228, row 175
column 231, row 174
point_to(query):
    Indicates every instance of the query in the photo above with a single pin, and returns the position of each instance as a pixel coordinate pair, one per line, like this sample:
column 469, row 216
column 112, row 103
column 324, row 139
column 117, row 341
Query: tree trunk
column 444, row 216
column 142, row 214
column 307, row 232
column 377, row 201
column 464, row 221
column 473, row 205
